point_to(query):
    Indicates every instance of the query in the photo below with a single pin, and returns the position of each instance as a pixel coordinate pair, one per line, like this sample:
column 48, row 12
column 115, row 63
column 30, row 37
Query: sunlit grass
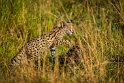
column 99, row 33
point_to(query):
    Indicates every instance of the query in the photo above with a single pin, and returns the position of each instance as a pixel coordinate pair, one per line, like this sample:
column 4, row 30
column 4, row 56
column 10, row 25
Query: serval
column 31, row 50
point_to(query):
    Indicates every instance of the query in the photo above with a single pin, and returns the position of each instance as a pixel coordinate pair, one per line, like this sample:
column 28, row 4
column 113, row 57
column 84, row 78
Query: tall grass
column 99, row 33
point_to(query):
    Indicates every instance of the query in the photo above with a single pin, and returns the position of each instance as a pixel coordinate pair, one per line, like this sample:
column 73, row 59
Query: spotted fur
column 32, row 49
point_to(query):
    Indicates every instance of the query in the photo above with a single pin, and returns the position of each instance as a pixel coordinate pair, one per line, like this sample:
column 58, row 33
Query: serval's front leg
column 57, row 43
column 53, row 49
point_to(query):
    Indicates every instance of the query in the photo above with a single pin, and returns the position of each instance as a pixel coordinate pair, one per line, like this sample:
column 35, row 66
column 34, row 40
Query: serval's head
column 67, row 27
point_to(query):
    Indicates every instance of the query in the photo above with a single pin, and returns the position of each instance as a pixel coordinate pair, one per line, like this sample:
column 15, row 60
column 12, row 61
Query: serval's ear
column 70, row 21
column 60, row 24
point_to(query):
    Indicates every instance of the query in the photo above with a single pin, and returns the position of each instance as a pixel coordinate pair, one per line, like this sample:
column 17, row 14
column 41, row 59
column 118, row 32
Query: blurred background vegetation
column 99, row 27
